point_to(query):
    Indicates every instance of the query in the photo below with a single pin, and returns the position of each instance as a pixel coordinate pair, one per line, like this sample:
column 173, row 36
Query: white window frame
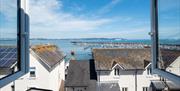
column 23, row 43
column 155, row 45
column 32, row 69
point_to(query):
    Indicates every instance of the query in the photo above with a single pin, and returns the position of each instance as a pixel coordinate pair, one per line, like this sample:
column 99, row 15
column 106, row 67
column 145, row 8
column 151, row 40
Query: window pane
column 169, row 35
column 8, row 37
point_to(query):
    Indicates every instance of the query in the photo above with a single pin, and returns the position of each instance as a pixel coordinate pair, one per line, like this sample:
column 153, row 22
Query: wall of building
column 40, row 81
column 7, row 87
column 127, row 79
column 56, row 76
column 44, row 79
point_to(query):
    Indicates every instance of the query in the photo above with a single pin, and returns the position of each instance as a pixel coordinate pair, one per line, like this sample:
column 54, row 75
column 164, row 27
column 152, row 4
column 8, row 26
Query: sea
column 66, row 45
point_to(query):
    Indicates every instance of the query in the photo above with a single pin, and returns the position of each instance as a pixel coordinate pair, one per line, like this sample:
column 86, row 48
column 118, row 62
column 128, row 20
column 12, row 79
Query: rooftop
column 48, row 55
column 137, row 58
column 79, row 73
column 105, row 59
column 169, row 56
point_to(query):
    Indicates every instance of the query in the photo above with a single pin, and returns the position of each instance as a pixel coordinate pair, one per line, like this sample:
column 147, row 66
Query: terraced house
column 125, row 69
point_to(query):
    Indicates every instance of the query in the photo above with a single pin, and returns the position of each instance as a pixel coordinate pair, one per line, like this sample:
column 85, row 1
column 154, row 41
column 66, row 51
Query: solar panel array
column 8, row 56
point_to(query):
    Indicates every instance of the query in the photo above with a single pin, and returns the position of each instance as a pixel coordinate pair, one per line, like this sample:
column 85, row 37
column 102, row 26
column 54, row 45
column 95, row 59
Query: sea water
column 66, row 46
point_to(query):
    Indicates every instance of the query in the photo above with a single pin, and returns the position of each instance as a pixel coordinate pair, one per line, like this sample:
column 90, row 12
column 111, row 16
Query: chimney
column 73, row 55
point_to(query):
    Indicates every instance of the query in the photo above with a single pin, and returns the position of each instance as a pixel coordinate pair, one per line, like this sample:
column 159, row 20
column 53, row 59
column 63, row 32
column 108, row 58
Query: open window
column 166, row 37
column 14, row 40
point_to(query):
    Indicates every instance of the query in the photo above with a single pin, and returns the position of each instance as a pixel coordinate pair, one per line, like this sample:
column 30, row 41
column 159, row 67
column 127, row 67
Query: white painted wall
column 40, row 81
column 127, row 79
column 7, row 87
column 56, row 76
column 44, row 79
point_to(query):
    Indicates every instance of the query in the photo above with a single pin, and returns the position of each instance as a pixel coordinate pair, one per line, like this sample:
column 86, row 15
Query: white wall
column 56, row 76
column 44, row 79
column 40, row 81
column 7, row 87
column 127, row 79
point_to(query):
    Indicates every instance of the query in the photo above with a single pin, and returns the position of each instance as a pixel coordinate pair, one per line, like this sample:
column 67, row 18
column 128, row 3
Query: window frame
column 155, row 45
column 32, row 70
column 22, row 45
column 145, row 89
column 124, row 88
column 116, row 72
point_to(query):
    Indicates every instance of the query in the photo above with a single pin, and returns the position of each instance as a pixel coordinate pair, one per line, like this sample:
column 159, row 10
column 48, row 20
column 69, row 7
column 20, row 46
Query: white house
column 123, row 69
column 46, row 71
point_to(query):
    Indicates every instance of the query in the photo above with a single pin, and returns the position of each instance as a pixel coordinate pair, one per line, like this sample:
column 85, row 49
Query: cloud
column 48, row 16
column 8, row 19
column 108, row 7
column 128, row 33
column 8, row 9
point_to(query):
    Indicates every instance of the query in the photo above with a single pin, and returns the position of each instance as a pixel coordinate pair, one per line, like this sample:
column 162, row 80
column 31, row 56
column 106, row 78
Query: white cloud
column 47, row 16
column 108, row 7
column 129, row 33
column 8, row 9
column 8, row 19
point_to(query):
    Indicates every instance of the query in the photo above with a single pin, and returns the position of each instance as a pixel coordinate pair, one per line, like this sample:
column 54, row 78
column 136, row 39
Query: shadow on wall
column 93, row 74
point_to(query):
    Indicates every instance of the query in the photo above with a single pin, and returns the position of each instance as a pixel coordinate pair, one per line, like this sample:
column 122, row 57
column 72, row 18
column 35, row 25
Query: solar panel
column 8, row 56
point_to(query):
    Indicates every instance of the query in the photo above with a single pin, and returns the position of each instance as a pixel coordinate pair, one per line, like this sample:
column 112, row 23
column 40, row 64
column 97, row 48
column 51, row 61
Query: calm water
column 66, row 46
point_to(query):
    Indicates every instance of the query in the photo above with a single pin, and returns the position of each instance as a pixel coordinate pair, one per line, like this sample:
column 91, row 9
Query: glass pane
column 8, row 37
column 169, row 35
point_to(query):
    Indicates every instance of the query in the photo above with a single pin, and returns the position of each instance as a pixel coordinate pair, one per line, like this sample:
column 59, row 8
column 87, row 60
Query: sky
column 128, row 19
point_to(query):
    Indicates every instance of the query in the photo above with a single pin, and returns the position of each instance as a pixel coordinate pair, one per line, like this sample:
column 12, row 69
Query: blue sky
column 128, row 19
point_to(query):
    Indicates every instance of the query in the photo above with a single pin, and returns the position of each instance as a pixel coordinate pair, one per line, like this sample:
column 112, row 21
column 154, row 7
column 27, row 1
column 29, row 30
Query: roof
column 79, row 75
column 159, row 85
column 109, row 87
column 105, row 59
column 8, row 56
column 169, row 56
column 48, row 55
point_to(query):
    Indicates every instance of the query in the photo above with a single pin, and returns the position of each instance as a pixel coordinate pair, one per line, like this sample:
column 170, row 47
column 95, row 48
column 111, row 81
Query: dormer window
column 116, row 71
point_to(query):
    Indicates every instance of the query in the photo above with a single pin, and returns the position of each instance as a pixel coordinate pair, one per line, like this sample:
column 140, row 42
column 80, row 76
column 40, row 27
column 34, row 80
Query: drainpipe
column 135, row 79
column 99, row 81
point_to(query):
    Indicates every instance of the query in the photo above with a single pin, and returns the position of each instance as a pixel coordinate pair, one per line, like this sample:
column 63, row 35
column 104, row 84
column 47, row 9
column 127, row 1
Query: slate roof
column 48, row 55
column 105, row 59
column 79, row 75
column 169, row 56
